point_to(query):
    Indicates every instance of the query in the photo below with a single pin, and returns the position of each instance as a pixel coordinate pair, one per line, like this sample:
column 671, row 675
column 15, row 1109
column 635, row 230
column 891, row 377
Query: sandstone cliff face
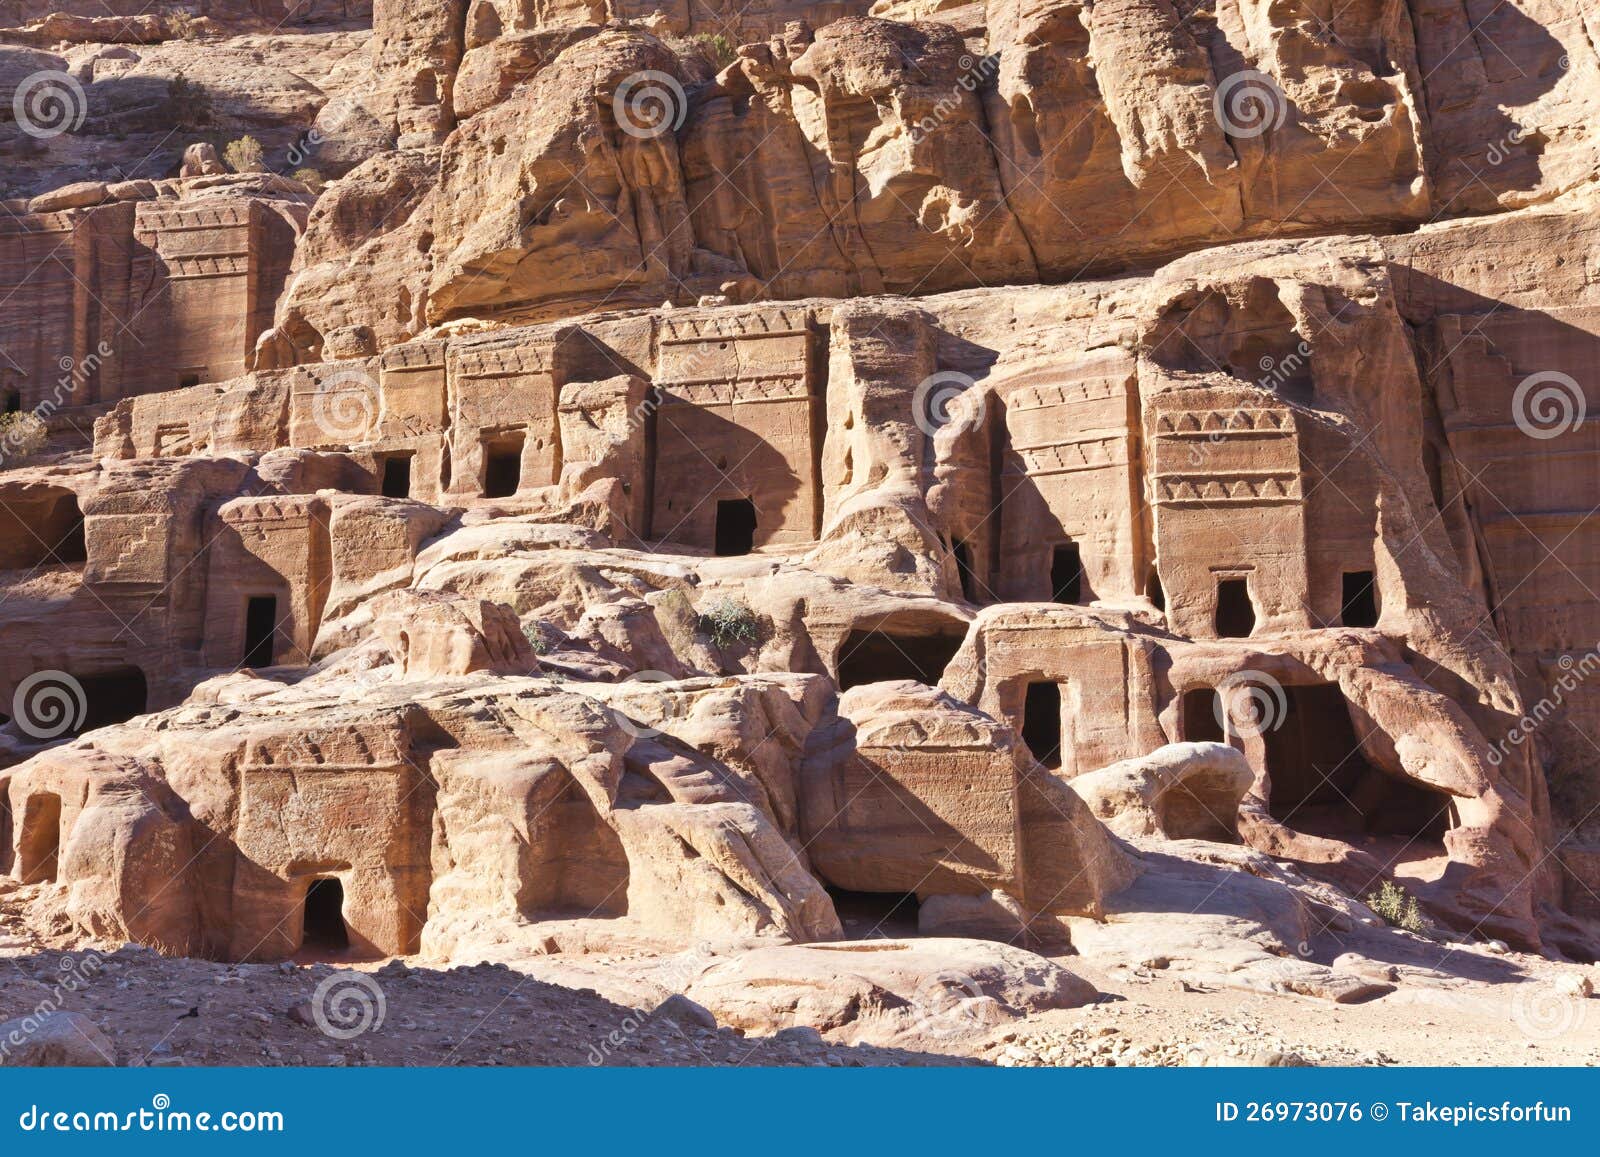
column 1043, row 140
column 998, row 455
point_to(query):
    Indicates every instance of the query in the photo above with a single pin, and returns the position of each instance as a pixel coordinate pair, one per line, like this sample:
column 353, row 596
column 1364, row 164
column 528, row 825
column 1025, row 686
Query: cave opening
column 1236, row 614
column 260, row 631
column 1066, row 574
column 397, row 476
column 884, row 657
column 969, row 580
column 1320, row 782
column 1202, row 716
column 736, row 527
column 502, row 465
column 1041, row 723
column 1358, row 599
column 1154, row 591
column 324, row 929
column 876, row 915
column 112, row 697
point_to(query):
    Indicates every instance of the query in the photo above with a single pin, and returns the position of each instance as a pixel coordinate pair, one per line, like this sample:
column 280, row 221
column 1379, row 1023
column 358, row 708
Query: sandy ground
column 1449, row 1006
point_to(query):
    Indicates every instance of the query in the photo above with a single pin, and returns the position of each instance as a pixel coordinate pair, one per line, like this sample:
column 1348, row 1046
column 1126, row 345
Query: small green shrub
column 1397, row 907
column 717, row 50
column 311, row 179
column 729, row 621
column 537, row 638
column 245, row 155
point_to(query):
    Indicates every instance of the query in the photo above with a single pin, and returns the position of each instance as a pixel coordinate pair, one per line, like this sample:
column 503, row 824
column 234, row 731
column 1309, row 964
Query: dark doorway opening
column 185, row 381
column 969, row 581
column 502, row 466
column 1359, row 599
column 65, row 532
column 39, row 849
column 5, row 833
column 1157, row 596
column 879, row 657
column 114, row 697
column 1236, row 614
column 397, row 476
column 1041, row 723
column 325, row 929
column 1202, row 717
column 260, row 631
column 1320, row 783
column 12, row 404
column 876, row 915
column 1066, row 574
column 736, row 526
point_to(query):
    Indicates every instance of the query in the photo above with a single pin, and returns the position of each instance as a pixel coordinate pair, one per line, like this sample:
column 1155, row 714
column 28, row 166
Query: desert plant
column 1397, row 907
column 311, row 179
column 245, row 155
column 537, row 638
column 22, row 435
column 188, row 106
column 717, row 50
column 182, row 24
column 728, row 621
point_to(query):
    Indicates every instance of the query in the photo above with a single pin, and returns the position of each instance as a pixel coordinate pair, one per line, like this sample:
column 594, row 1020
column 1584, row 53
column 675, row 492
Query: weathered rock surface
column 1112, row 474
